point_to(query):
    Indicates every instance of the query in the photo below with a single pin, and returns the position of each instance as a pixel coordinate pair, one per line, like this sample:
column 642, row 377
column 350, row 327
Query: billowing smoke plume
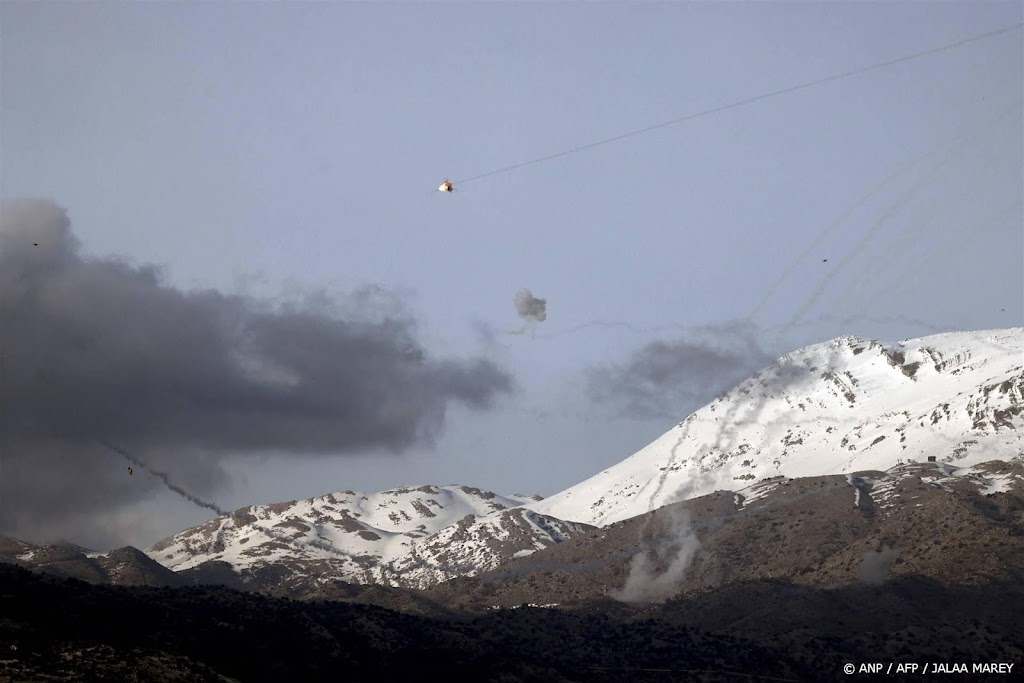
column 875, row 566
column 656, row 571
column 531, row 309
column 672, row 378
column 95, row 350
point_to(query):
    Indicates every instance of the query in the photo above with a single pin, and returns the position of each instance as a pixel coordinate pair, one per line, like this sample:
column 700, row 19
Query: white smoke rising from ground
column 656, row 571
column 875, row 566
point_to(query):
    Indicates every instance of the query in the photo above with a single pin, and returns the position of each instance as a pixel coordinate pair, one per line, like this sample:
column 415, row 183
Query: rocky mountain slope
column 123, row 566
column 787, row 579
column 919, row 521
column 412, row 536
column 845, row 405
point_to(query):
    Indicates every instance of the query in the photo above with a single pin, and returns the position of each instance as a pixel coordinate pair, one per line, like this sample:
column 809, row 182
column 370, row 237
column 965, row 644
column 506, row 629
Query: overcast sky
column 256, row 288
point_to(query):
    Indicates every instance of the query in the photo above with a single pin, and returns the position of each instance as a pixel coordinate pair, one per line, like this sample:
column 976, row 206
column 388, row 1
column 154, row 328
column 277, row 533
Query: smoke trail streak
column 683, row 433
column 844, row 322
column 528, row 326
column 107, row 351
column 893, row 208
column 748, row 100
column 299, row 543
column 594, row 323
column 165, row 479
column 832, row 227
column 807, row 322
column 913, row 233
column 611, row 324
column 943, row 149
column 943, row 252
column 852, row 294
column 195, row 500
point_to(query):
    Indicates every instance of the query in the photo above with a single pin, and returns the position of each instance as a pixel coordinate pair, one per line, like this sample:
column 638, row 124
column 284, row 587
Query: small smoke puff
column 875, row 566
column 530, row 307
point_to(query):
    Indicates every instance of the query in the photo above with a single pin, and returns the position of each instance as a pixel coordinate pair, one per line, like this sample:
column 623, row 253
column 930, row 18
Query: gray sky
column 288, row 152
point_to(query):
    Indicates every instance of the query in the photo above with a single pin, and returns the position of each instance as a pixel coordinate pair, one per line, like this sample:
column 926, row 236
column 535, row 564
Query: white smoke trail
column 945, row 251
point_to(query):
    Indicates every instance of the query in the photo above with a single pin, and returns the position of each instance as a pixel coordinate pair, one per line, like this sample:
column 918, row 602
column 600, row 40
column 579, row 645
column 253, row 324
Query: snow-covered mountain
column 411, row 536
column 843, row 406
column 850, row 404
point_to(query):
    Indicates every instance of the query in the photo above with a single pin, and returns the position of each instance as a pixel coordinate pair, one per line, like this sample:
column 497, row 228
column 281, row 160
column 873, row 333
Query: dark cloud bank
column 96, row 351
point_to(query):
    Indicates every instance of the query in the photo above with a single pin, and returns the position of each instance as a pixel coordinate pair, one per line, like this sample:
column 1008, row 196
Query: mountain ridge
column 410, row 536
column 847, row 404
column 850, row 404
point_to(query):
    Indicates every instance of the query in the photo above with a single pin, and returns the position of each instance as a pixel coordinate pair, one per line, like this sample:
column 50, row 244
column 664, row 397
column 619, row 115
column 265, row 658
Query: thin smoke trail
column 894, row 207
column 917, row 233
column 943, row 149
column 843, row 322
column 162, row 476
column 832, row 227
column 302, row 545
column 684, row 431
column 938, row 255
column 748, row 100
column 528, row 326
column 896, row 252
column 644, row 582
column 943, row 252
column 613, row 324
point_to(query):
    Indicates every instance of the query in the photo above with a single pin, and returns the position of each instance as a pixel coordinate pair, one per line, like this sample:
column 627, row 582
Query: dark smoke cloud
column 670, row 378
column 98, row 351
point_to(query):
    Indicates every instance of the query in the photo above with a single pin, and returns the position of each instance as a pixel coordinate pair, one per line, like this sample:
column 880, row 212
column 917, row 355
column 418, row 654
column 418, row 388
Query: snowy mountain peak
column 840, row 406
column 411, row 536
